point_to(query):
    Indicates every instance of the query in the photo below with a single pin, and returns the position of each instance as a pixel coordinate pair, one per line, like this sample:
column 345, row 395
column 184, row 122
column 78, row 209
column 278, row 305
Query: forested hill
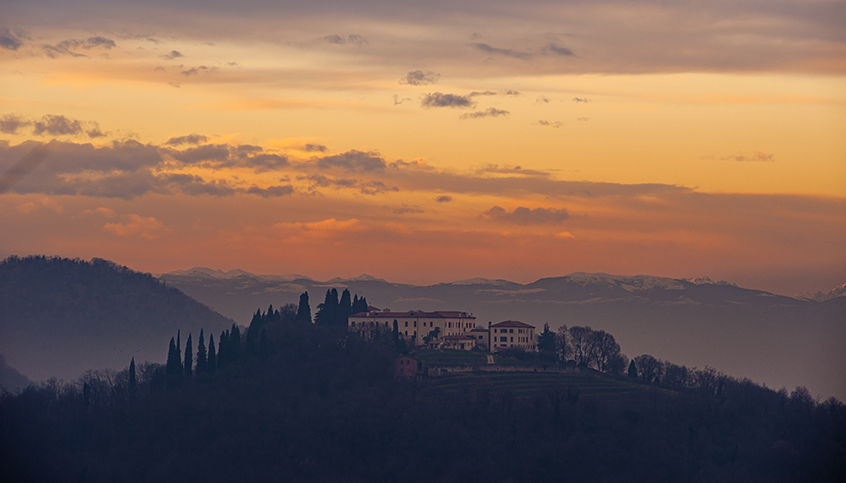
column 61, row 317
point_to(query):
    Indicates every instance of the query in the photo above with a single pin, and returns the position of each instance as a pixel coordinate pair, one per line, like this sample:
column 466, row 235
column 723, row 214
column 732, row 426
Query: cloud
column 174, row 54
column 754, row 156
column 405, row 209
column 314, row 148
column 528, row 216
column 189, row 139
column 583, row 119
column 512, row 170
column 148, row 228
column 274, row 191
column 364, row 187
column 489, row 112
column 481, row 93
column 9, row 40
column 555, row 124
column 510, row 92
column 443, row 199
column 420, row 78
column 56, row 126
column 506, row 52
column 353, row 161
column 199, row 69
column 556, row 49
column 437, row 99
column 354, row 39
column 581, row 99
column 398, row 101
column 10, row 123
column 70, row 46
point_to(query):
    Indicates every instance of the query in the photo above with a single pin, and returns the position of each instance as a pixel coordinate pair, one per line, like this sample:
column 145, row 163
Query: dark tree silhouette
column 133, row 383
column 632, row 369
column 344, row 309
column 327, row 312
column 211, row 365
column 304, row 310
column 174, row 365
column 546, row 340
column 234, row 349
column 189, row 357
column 202, row 361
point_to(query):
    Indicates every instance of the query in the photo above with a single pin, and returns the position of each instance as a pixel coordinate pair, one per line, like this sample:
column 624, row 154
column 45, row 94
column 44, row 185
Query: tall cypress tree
column 189, row 357
column 342, row 317
column 201, row 354
column 234, row 349
column 222, row 346
column 255, row 328
column 328, row 310
column 132, row 382
column 303, row 310
column 174, row 365
column 211, row 366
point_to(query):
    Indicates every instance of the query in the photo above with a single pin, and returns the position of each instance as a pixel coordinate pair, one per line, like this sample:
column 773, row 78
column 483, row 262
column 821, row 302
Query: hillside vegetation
column 314, row 403
column 60, row 317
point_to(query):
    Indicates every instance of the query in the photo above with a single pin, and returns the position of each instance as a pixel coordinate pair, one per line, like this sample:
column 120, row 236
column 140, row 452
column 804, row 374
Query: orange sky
column 428, row 143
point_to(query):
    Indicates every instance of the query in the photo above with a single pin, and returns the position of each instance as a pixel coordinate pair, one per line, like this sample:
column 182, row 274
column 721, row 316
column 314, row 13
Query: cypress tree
column 344, row 309
column 212, row 362
column 303, row 310
column 201, row 354
column 264, row 345
column 234, row 349
column 132, row 382
column 222, row 345
column 255, row 328
column 328, row 310
column 632, row 370
column 189, row 357
column 178, row 370
column 173, row 363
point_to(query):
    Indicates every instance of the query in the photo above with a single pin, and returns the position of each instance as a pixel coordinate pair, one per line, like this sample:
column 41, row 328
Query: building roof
column 513, row 323
column 413, row 314
column 479, row 329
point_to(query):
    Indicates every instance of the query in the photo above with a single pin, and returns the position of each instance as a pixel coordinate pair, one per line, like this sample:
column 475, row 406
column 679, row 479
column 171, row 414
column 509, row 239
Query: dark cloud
column 437, row 99
column 199, row 69
column 443, row 199
column 581, row 99
column 9, row 40
column 353, row 161
column 405, row 209
column 314, row 148
column 354, row 39
column 10, row 123
column 527, row 216
column 365, row 187
column 506, row 52
column 489, row 112
column 555, row 124
column 376, row 187
column 420, row 78
column 398, row 101
column 95, row 132
column 510, row 92
column 56, row 126
column 174, row 54
column 542, row 99
column 226, row 156
column 23, row 167
column 481, row 93
column 70, row 46
column 271, row 191
column 557, row 49
column 189, row 139
column 194, row 185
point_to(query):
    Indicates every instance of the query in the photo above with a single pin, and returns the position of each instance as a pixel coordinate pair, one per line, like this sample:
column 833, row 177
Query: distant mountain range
column 772, row 339
column 61, row 317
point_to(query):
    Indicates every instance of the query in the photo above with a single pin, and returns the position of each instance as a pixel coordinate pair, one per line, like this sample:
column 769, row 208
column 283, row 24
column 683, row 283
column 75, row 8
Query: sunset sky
column 426, row 142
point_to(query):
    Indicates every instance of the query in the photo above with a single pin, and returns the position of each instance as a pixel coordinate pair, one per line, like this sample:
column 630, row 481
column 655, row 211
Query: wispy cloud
column 420, row 78
column 437, row 99
column 500, row 51
column 489, row 112
column 528, row 216
column 72, row 46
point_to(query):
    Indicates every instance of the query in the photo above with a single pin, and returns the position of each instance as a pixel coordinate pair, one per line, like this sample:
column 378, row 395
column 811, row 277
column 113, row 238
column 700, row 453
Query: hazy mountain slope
column 60, row 317
column 10, row 378
column 772, row 339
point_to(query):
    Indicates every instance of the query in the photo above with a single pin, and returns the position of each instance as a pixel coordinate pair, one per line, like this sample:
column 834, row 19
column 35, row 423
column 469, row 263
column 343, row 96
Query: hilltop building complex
column 446, row 329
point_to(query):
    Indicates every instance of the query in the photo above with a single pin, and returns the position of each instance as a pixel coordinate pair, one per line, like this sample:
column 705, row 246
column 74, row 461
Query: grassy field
column 451, row 358
column 608, row 390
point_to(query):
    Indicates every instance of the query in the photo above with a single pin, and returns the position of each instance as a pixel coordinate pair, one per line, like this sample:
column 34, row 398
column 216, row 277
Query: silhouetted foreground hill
column 776, row 340
column 61, row 317
column 322, row 405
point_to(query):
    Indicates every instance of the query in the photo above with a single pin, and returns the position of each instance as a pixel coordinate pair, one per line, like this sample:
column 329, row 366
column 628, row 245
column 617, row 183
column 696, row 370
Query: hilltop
column 60, row 317
column 773, row 339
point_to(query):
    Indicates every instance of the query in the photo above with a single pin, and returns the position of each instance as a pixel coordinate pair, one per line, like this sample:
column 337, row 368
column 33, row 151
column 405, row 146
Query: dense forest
column 312, row 402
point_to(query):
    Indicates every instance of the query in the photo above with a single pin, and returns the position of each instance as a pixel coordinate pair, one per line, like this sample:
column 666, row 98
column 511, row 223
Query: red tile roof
column 513, row 323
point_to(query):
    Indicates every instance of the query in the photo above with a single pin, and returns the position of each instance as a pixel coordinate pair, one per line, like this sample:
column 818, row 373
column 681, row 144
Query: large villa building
column 446, row 329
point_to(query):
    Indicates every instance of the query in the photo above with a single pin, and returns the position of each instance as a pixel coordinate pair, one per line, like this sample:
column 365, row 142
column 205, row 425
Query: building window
column 503, row 339
column 406, row 323
column 510, row 331
column 512, row 339
column 352, row 323
column 415, row 323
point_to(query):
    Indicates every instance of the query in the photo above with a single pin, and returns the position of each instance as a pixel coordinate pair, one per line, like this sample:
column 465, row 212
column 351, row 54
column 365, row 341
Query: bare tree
column 648, row 367
column 580, row 340
column 562, row 344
